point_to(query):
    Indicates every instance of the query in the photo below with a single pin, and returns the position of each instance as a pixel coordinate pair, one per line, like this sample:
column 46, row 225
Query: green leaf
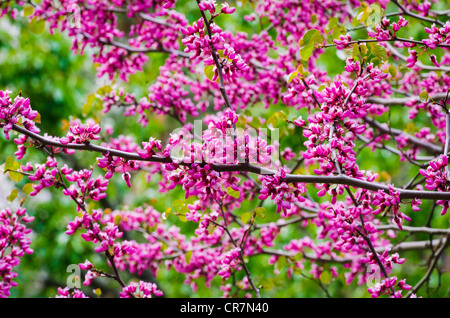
column 307, row 43
column 255, row 123
column 281, row 263
column 37, row 26
column 104, row 90
column 326, row 277
column 355, row 22
column 245, row 217
column 310, row 36
column 362, row 17
column 37, row 119
column 27, row 188
column 88, row 107
column 380, row 52
column 375, row 16
column 423, row 96
column 209, row 72
column 188, row 256
column 272, row 121
column 211, row 228
column 117, row 219
column 306, row 52
column 337, row 32
column 13, row 195
column 355, row 53
column 281, row 115
column 178, row 204
column 292, row 76
column 241, row 123
column 349, row 51
column 300, row 70
column 9, row 164
column 297, row 271
column 298, row 257
column 375, row 61
column 332, row 23
column 363, row 49
column 221, row 55
column 15, row 176
column 261, row 212
column 393, row 71
column 233, row 193
column 28, row 10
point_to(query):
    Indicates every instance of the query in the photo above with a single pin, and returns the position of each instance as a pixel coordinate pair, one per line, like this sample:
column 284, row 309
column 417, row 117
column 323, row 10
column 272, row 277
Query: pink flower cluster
column 66, row 293
column 437, row 36
column 46, row 174
column 140, row 290
column 232, row 64
column 391, row 201
column 282, row 194
column 149, row 148
column 387, row 287
column 210, row 5
column 82, row 133
column 229, row 262
column 437, row 177
column 343, row 41
column 113, row 164
column 16, row 112
column 105, row 237
column 86, row 186
column 14, row 243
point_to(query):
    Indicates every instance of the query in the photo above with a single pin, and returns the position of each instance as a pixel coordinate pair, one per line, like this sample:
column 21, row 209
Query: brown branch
column 416, row 16
column 399, row 101
column 383, row 128
column 433, row 263
column 246, row 167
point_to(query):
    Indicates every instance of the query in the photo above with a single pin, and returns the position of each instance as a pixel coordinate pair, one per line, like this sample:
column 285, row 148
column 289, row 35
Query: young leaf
column 37, row 26
column 272, row 121
column 423, row 96
column 326, row 277
column 245, row 217
column 27, row 188
column 28, row 10
column 380, row 52
column 233, row 193
column 209, row 72
column 13, row 195
column 117, row 219
column 188, row 256
column 281, row 263
column 392, row 71
column 292, row 76
column 306, row 51
column 182, row 217
column 310, row 36
column 261, row 212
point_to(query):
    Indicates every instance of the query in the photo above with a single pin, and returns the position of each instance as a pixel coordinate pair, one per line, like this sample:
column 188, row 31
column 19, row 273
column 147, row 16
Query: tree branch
column 247, row 167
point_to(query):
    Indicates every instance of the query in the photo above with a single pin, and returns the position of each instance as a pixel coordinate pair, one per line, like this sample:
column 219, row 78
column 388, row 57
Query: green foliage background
column 43, row 68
